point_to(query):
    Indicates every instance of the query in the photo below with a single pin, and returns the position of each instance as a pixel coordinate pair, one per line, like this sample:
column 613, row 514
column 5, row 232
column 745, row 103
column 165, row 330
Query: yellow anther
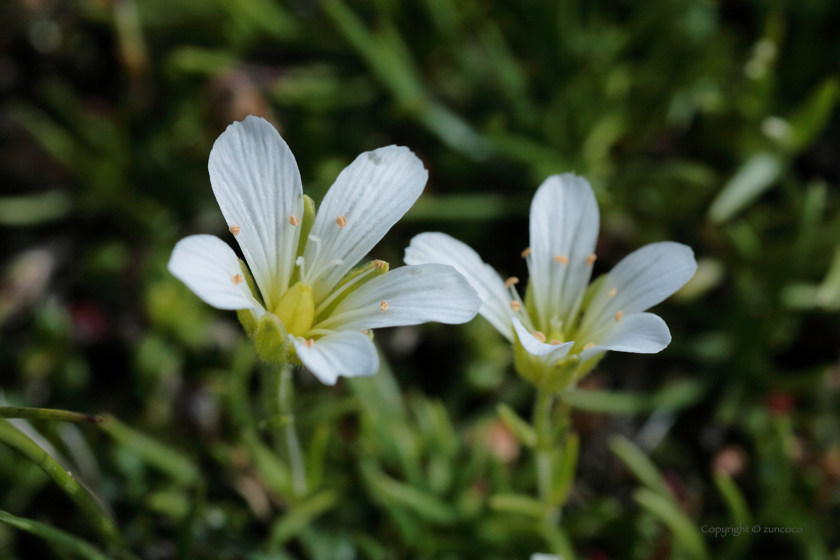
column 611, row 293
column 294, row 220
column 234, row 230
column 379, row 265
column 561, row 259
column 238, row 279
column 365, row 332
column 515, row 305
column 341, row 221
column 618, row 315
column 555, row 343
column 588, row 345
column 590, row 260
column 309, row 342
column 539, row 336
column 511, row 281
column 526, row 252
column 383, row 307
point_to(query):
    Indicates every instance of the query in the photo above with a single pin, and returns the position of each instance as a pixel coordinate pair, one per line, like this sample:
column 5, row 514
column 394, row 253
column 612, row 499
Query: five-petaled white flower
column 306, row 295
column 561, row 321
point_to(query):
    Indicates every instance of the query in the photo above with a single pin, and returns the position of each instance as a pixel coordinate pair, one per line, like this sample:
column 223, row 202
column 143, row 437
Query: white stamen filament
column 341, row 290
column 341, row 318
column 319, row 332
column 301, row 263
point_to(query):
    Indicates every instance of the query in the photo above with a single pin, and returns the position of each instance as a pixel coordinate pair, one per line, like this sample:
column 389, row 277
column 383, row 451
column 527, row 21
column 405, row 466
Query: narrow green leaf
column 639, row 464
column 754, row 177
column 734, row 499
column 811, row 118
column 425, row 505
column 523, row 431
column 47, row 414
column 55, row 536
column 93, row 511
column 299, row 517
column 564, row 475
column 517, row 503
column 180, row 468
column 686, row 534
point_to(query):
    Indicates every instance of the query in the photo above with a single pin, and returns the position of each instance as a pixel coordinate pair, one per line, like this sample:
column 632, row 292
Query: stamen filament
column 340, row 291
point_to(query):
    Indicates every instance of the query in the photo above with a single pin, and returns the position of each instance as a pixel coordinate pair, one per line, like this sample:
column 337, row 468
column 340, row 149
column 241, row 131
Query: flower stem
column 281, row 420
column 542, row 425
column 292, row 443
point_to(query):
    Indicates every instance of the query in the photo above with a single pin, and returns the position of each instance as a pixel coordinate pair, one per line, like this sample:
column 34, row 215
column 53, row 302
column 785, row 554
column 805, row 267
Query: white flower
column 561, row 318
column 308, row 298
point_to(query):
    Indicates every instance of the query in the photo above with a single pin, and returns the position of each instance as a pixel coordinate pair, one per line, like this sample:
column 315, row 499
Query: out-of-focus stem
column 542, row 425
column 280, row 404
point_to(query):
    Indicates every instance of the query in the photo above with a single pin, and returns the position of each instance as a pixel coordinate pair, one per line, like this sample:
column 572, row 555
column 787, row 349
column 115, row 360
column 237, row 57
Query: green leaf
column 639, row 464
column 180, row 468
column 517, row 503
column 754, row 177
column 55, row 536
column 734, row 499
column 523, row 431
column 686, row 534
column 47, row 414
column 91, row 508
column 564, row 475
column 811, row 118
column 425, row 505
column 298, row 518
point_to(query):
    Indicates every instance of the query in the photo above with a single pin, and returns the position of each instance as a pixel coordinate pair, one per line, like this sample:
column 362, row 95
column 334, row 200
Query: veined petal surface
column 641, row 280
column 441, row 248
column 564, row 231
column 640, row 333
column 409, row 295
column 257, row 183
column 210, row 268
column 366, row 200
column 548, row 352
column 346, row 354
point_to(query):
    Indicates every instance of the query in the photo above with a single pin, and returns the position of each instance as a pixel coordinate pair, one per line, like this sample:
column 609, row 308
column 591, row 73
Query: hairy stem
column 279, row 393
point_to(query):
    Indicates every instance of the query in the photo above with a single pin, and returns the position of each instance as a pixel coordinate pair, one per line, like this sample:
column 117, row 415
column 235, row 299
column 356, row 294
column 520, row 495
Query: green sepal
column 250, row 279
column 271, row 340
column 249, row 321
column 561, row 375
column 526, row 364
column 246, row 316
column 530, row 307
column 306, row 223
column 373, row 269
column 591, row 290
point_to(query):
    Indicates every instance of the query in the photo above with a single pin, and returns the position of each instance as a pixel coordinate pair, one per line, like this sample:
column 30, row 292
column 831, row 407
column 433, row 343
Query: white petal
column 564, row 231
column 257, row 183
column 371, row 195
column 641, row 280
column 539, row 556
column 640, row 333
column 210, row 268
column 409, row 295
column 443, row 249
column 347, row 354
column 550, row 352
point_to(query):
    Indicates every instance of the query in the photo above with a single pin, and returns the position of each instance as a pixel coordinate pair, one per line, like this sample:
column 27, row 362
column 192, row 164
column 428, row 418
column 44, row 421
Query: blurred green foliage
column 709, row 123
